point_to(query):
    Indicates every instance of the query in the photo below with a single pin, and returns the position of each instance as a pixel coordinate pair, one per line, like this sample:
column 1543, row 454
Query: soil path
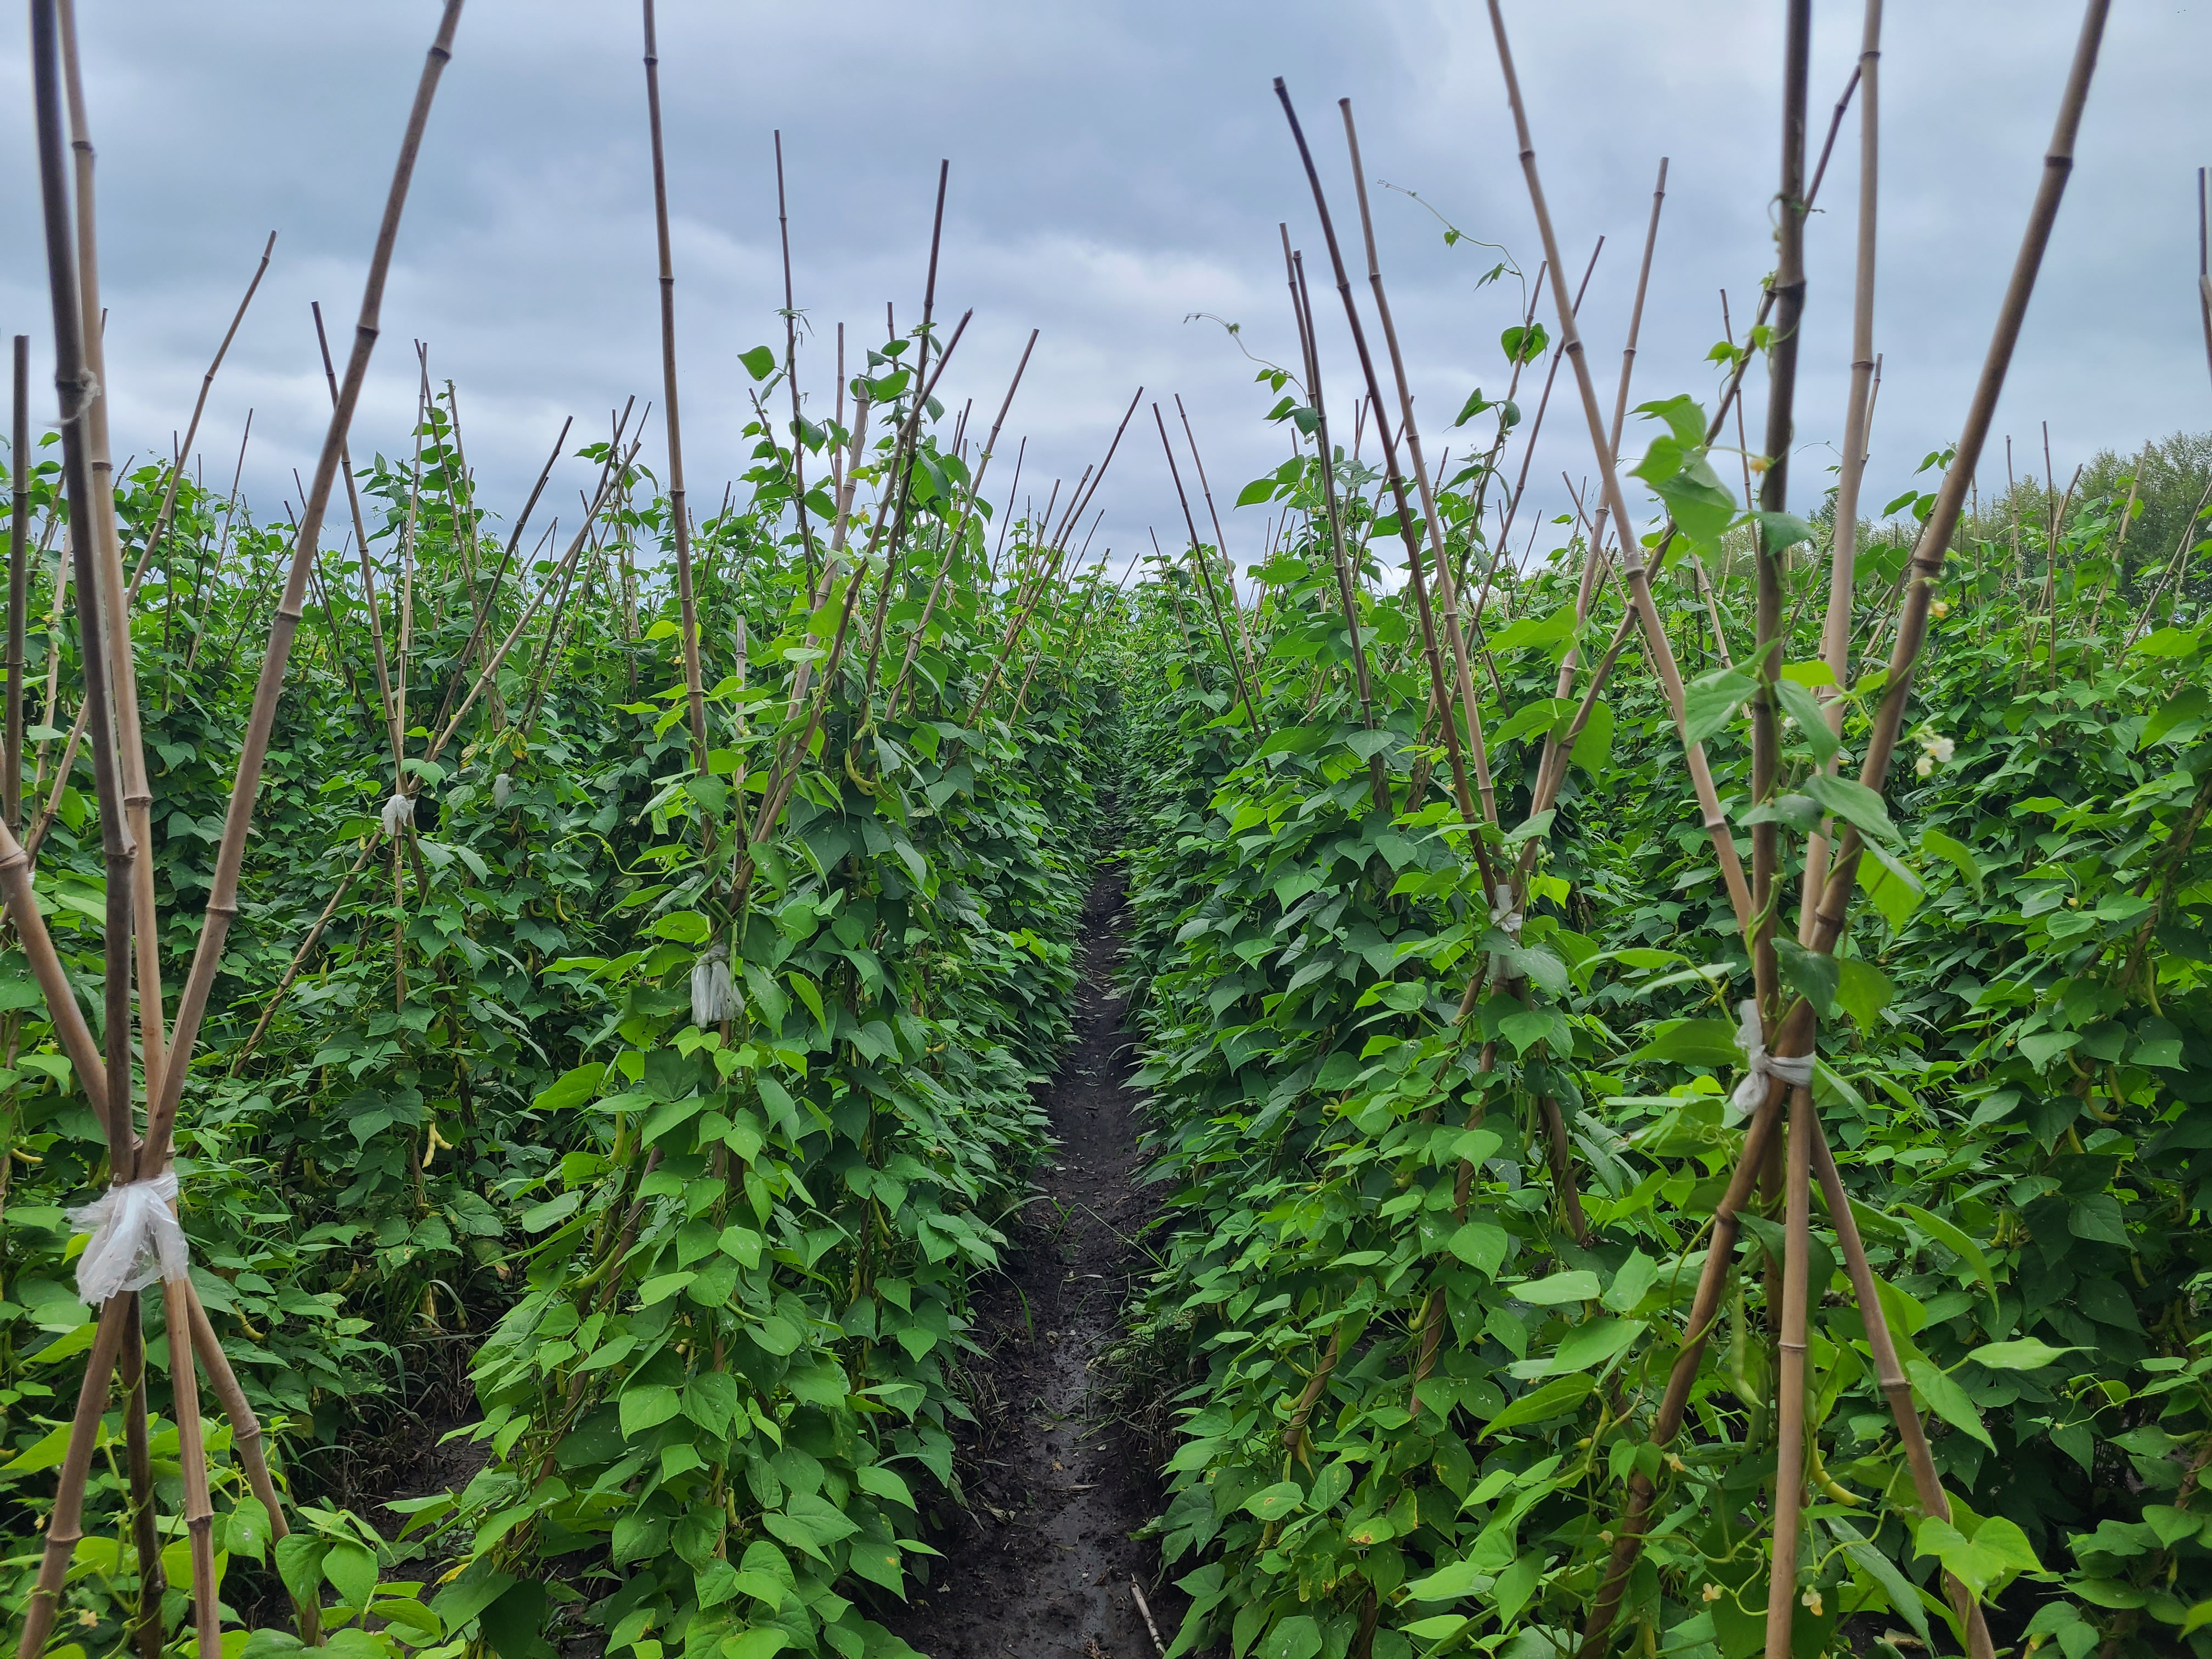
column 1040, row 1565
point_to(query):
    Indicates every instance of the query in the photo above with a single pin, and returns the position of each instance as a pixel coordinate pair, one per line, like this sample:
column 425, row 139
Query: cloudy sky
column 1116, row 168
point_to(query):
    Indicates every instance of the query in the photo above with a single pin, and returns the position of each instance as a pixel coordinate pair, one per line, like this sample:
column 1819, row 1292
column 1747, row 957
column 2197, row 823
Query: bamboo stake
column 79, row 391
column 147, row 1631
column 1788, row 289
column 1544, row 402
column 1440, row 689
column 1634, row 574
column 1594, row 565
column 1212, row 598
column 223, row 897
column 959, row 539
column 128, row 756
column 791, row 364
column 300, row 958
column 1221, row 544
column 484, row 609
column 65, row 1523
column 1795, row 1032
column 385, row 701
column 880, row 624
column 783, row 775
column 1378, row 778
column 191, row 428
column 1896, row 1387
column 18, row 577
column 1789, row 1388
column 2204, row 258
column 679, row 522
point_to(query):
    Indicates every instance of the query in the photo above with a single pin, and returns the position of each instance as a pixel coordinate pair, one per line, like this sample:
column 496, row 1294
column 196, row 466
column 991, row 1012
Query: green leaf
column 570, row 1089
column 1781, row 530
column 1524, row 342
column 1481, row 1244
column 1710, row 701
column 1813, row 974
column 760, row 362
column 1863, row 990
column 1801, row 706
column 1895, row 890
column 647, row 1405
column 247, row 1529
column 1273, row 1503
column 1632, row 1284
column 299, row 1564
column 2026, row 1353
column 883, row 1483
column 1552, row 627
column 1957, row 854
column 1996, row 1554
column 1684, row 417
column 1853, row 802
column 1594, row 747
column 352, row 1572
column 1578, row 1284
column 2177, row 721
column 1703, row 506
column 1296, row 1638
column 1904, row 1600
column 1954, row 1240
column 1692, row 1042
column 1948, row 1401
column 1551, row 1399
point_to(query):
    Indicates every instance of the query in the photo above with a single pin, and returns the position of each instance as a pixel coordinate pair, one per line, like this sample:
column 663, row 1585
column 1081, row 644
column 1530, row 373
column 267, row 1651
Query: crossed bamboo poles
column 110, row 708
column 1790, row 1033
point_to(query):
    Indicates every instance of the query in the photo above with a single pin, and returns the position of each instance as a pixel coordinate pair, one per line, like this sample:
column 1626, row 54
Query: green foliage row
column 1411, row 1399
column 710, row 1266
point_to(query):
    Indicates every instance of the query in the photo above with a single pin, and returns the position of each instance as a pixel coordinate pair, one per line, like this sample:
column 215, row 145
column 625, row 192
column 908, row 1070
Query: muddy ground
column 1040, row 1564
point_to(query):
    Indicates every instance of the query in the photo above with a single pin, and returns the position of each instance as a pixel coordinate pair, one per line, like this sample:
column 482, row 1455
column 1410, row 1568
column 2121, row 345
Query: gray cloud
column 1115, row 169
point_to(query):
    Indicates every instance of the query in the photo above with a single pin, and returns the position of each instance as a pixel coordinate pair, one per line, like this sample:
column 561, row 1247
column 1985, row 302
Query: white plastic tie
column 1508, row 919
column 1751, row 1093
column 399, row 813
column 136, row 1239
column 714, row 993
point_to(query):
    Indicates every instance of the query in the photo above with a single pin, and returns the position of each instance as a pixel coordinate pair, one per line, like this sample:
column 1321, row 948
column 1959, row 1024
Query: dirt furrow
column 1042, row 1563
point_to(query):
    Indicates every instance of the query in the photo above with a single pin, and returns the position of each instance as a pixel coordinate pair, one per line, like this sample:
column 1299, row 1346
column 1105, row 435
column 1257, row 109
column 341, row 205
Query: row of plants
column 1443, row 1181
column 684, row 1130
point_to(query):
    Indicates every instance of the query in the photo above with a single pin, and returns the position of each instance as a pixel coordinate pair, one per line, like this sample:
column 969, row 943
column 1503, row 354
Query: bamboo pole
column 1795, row 1032
column 880, row 623
column 191, row 429
column 958, row 539
column 1221, row 544
column 222, row 895
column 1790, row 1388
column 484, row 606
column 783, row 774
column 1788, row 287
column 1377, row 776
column 386, row 702
column 1634, row 574
column 19, row 576
column 1896, row 1387
column 1212, row 598
column 791, row 364
column 128, row 756
column 1594, row 565
column 679, row 522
